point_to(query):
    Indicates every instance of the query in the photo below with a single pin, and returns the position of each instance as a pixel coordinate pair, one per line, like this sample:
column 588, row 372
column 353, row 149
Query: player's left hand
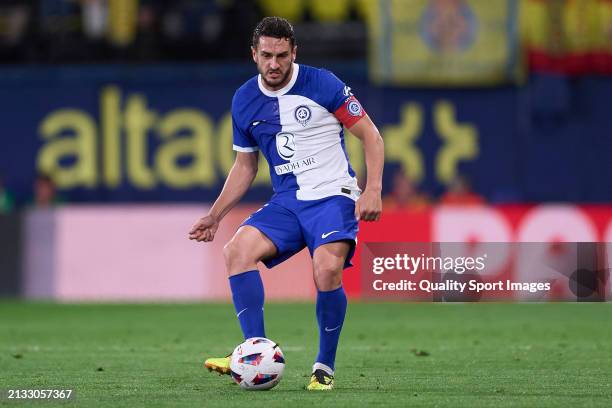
column 369, row 206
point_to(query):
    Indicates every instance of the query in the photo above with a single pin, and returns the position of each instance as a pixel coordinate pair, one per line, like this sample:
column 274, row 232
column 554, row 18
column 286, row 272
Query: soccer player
column 294, row 115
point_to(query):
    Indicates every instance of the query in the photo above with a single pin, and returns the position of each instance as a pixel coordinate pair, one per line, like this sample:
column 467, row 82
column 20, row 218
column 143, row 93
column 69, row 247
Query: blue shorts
column 292, row 224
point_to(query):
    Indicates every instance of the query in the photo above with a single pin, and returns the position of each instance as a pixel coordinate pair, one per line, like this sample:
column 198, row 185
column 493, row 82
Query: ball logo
column 354, row 108
column 285, row 145
column 302, row 114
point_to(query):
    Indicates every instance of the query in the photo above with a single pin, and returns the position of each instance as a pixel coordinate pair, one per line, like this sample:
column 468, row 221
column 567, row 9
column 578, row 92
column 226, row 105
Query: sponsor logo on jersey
column 354, row 108
column 285, row 145
column 302, row 114
column 301, row 165
column 347, row 91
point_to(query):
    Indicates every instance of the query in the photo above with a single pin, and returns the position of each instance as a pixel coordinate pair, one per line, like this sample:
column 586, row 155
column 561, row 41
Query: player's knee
column 237, row 257
column 229, row 250
column 328, row 274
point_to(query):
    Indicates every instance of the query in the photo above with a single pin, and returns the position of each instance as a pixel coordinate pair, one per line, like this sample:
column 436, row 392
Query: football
column 257, row 364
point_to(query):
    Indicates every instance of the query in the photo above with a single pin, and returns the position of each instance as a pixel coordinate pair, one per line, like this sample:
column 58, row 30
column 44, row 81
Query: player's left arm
column 369, row 204
column 346, row 108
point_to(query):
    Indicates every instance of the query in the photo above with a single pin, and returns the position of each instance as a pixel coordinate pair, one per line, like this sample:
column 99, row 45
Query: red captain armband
column 350, row 112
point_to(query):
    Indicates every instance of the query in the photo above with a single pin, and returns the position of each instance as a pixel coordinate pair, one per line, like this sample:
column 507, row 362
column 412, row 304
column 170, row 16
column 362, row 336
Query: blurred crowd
column 44, row 195
column 72, row 31
column 404, row 194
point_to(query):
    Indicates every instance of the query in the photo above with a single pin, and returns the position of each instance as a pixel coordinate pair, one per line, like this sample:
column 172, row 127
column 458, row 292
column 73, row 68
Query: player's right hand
column 205, row 229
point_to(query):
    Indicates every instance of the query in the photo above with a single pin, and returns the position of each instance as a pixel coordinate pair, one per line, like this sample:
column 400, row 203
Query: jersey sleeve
column 242, row 139
column 340, row 100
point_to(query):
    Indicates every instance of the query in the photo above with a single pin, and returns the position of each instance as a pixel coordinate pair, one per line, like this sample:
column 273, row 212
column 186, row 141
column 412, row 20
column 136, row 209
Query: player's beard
column 276, row 83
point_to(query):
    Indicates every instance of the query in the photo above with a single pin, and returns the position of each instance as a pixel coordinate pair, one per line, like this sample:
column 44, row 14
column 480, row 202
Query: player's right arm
column 238, row 181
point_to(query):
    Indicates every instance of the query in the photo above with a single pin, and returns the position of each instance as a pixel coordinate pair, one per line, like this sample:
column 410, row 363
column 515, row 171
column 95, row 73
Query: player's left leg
column 330, row 229
column 328, row 263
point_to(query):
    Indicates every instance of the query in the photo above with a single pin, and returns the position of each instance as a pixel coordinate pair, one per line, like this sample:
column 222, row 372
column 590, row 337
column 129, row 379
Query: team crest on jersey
column 303, row 114
column 285, row 145
column 354, row 108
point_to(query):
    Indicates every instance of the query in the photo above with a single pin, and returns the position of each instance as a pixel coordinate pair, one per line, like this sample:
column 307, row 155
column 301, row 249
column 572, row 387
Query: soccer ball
column 257, row 364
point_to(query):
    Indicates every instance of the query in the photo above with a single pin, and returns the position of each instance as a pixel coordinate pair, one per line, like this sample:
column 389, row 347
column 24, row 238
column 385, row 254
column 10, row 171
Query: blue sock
column 331, row 309
column 248, row 296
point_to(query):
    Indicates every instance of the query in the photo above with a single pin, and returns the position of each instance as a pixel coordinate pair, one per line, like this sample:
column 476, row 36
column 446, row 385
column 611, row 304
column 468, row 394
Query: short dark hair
column 275, row 27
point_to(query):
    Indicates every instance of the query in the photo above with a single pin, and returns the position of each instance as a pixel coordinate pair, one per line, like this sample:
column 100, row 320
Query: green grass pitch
column 391, row 354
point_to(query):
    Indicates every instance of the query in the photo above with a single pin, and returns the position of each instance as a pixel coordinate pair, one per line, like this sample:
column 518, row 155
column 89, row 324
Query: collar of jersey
column 283, row 90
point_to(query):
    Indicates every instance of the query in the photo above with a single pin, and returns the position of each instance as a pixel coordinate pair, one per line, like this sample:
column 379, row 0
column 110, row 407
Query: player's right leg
column 241, row 254
column 270, row 235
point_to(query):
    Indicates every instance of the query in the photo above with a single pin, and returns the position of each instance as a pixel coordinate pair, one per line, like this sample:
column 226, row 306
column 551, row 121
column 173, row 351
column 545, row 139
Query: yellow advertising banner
column 444, row 42
column 568, row 36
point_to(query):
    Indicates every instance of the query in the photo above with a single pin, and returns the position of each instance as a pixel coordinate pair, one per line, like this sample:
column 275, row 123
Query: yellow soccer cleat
column 220, row 365
column 321, row 381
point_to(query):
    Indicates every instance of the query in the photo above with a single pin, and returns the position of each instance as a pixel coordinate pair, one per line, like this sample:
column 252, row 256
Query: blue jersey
column 299, row 131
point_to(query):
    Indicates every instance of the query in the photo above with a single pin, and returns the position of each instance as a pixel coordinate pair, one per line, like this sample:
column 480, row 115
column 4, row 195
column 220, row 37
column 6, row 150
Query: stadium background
column 125, row 106
column 115, row 136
